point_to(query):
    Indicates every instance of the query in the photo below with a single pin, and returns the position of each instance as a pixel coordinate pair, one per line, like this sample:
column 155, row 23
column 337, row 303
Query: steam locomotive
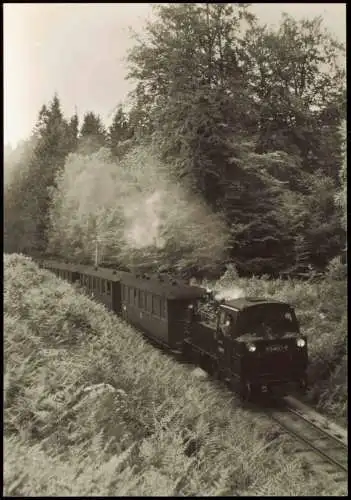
column 253, row 344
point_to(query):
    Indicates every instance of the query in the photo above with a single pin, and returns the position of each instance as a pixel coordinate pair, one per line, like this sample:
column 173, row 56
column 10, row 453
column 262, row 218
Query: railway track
column 322, row 443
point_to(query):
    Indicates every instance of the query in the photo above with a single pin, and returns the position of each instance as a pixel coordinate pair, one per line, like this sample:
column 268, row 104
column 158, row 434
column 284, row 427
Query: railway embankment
column 93, row 409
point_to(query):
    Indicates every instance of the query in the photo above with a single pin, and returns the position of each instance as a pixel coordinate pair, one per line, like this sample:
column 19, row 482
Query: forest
column 230, row 149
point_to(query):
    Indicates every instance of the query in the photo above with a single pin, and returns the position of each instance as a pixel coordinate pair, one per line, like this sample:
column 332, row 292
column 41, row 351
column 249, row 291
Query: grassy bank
column 92, row 409
column 321, row 307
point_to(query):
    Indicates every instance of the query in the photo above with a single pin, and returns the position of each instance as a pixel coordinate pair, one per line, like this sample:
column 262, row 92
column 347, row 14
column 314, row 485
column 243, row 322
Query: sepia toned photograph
column 175, row 250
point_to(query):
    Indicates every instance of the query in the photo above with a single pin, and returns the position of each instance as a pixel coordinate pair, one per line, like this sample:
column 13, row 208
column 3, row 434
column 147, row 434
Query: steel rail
column 309, row 442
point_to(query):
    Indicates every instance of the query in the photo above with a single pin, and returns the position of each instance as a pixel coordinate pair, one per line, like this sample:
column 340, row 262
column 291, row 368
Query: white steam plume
column 143, row 222
column 230, row 293
column 135, row 210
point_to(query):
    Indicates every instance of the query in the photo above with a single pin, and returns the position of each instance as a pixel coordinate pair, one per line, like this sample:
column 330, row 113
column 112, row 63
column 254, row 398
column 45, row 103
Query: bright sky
column 78, row 50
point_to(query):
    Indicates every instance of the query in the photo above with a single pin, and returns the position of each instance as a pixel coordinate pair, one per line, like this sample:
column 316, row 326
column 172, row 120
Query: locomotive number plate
column 276, row 348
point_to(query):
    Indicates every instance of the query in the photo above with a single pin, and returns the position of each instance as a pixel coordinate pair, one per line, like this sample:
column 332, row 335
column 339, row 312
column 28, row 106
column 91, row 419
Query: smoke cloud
column 136, row 210
column 230, row 293
column 143, row 222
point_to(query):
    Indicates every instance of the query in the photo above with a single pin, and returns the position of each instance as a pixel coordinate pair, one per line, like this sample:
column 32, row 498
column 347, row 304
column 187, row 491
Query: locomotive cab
column 260, row 348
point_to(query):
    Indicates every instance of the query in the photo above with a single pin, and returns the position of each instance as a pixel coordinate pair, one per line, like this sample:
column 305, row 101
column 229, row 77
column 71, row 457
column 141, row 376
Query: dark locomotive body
column 256, row 346
column 253, row 344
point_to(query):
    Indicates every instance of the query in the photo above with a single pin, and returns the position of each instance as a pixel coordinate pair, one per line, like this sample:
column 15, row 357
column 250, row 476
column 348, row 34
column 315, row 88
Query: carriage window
column 163, row 307
column 131, row 295
column 156, row 305
column 141, row 299
column 108, row 287
column 149, row 302
column 136, row 296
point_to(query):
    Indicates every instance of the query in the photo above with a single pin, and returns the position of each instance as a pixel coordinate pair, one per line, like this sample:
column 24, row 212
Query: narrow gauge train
column 253, row 344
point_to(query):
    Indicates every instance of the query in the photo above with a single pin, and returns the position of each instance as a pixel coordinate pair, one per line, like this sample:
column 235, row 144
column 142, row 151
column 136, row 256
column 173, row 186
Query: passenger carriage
column 158, row 306
column 99, row 283
column 103, row 285
column 63, row 270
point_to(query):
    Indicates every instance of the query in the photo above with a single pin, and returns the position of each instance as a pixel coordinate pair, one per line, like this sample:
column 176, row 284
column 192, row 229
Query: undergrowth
column 93, row 409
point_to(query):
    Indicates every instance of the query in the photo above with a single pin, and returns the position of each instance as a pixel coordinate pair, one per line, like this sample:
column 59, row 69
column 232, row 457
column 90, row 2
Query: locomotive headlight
column 251, row 347
column 190, row 306
column 300, row 343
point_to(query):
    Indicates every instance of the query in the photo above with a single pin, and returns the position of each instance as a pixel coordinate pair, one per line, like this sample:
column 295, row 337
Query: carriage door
column 224, row 340
column 125, row 300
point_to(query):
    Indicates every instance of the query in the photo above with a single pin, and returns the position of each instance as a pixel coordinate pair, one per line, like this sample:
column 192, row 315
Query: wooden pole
column 96, row 252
